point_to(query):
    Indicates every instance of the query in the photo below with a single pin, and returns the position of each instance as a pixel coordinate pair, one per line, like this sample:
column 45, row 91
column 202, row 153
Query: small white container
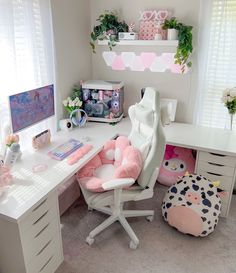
column 172, row 34
column 158, row 36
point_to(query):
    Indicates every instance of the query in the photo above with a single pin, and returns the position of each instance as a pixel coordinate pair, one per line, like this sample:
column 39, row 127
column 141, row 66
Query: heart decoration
column 147, row 15
column 162, row 15
column 155, row 15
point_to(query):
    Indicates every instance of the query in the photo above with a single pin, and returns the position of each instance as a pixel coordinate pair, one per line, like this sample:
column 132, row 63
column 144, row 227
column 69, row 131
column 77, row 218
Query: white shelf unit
column 173, row 43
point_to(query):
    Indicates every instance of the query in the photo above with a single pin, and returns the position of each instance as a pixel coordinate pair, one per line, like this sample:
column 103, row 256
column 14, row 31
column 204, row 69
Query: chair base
column 120, row 215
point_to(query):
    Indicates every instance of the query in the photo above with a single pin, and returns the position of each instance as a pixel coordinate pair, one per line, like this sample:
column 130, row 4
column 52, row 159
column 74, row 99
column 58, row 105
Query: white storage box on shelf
column 103, row 100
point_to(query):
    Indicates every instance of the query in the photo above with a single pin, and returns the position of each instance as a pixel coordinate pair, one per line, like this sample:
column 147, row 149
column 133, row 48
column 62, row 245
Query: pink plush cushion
column 107, row 154
column 126, row 163
column 131, row 164
column 88, row 170
column 120, row 145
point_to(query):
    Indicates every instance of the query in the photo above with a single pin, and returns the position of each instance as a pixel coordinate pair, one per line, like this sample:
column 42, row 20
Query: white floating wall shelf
column 143, row 43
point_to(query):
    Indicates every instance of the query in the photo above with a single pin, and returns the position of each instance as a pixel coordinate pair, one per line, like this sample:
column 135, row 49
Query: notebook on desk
column 65, row 149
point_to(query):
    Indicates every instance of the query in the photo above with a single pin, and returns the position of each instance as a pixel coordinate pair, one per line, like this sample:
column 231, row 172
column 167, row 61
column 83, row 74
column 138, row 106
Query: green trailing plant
column 185, row 37
column 108, row 28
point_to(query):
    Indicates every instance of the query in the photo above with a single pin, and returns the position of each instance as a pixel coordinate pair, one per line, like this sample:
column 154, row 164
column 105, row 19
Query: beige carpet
column 162, row 249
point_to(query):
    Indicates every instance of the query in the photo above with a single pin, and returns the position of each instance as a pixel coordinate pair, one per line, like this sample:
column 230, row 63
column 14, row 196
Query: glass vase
column 231, row 121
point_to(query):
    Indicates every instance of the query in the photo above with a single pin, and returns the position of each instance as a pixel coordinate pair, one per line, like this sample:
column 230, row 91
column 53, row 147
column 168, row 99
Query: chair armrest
column 118, row 183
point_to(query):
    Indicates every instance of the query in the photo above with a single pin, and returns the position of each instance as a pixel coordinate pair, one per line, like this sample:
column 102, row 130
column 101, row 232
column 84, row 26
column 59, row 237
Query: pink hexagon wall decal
column 158, row 65
column 177, row 69
column 109, row 57
column 147, row 58
column 128, row 58
column 137, row 64
column 169, row 59
column 118, row 63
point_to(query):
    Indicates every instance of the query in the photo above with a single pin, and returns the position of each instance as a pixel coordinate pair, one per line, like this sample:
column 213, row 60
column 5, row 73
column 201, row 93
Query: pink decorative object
column 147, row 59
column 150, row 24
column 118, row 158
column 78, row 154
column 5, row 176
column 118, row 63
column 177, row 161
column 10, row 139
column 39, row 168
column 176, row 68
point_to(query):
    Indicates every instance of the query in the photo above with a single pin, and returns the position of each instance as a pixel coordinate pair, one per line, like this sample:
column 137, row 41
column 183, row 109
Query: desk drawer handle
column 40, row 218
column 47, row 244
column 217, row 154
column 216, row 164
column 44, row 201
column 37, row 235
column 215, row 174
column 42, row 268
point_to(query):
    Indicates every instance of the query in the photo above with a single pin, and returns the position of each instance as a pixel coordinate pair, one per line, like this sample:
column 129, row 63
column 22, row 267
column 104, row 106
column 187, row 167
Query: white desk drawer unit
column 218, row 167
column 37, row 239
column 40, row 238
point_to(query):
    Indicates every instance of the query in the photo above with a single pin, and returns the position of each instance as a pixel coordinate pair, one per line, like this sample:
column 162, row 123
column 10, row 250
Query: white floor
column 162, row 249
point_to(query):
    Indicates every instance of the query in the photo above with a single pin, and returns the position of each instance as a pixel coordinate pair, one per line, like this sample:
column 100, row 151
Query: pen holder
column 42, row 139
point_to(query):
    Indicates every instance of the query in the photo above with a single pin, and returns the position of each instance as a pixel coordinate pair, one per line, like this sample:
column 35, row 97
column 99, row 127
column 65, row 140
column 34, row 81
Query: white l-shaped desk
column 30, row 237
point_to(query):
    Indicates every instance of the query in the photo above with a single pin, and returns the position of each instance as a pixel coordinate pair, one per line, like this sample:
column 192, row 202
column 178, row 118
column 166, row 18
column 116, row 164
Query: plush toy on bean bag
column 177, row 161
column 118, row 159
column 193, row 205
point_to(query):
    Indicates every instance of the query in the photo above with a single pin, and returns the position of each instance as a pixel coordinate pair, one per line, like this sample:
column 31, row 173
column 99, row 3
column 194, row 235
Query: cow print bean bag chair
column 192, row 205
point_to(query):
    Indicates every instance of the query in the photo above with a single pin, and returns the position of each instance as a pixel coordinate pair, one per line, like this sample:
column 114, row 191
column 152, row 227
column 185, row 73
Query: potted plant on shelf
column 172, row 28
column 185, row 46
column 107, row 29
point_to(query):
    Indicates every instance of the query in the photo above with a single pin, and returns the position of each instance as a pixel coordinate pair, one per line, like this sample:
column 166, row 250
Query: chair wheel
column 89, row 240
column 150, row 218
column 132, row 245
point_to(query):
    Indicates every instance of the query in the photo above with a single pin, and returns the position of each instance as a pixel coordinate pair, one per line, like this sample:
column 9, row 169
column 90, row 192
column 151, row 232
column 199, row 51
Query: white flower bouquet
column 229, row 100
column 71, row 105
column 74, row 101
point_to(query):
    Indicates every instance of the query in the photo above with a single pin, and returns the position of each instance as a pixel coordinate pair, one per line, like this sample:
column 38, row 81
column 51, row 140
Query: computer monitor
column 31, row 107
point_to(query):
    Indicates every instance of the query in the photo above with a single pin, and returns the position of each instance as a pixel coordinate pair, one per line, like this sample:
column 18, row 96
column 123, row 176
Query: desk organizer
column 103, row 100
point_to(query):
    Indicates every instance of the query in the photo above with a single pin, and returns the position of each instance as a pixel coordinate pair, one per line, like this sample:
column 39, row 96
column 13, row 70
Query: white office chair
column 147, row 135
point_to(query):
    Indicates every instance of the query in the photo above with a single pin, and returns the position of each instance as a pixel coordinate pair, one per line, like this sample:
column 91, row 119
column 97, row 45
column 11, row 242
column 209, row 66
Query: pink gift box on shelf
column 151, row 24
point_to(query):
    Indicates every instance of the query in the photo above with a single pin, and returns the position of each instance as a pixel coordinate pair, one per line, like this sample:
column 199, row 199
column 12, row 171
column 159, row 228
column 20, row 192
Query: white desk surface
column 201, row 138
column 28, row 188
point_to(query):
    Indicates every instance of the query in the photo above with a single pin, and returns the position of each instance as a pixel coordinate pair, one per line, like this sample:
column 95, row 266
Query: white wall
column 182, row 87
column 71, row 25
